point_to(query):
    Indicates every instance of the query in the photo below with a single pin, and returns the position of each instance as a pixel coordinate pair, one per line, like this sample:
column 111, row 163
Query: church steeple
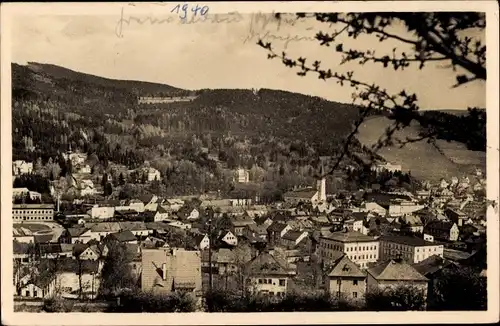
column 321, row 184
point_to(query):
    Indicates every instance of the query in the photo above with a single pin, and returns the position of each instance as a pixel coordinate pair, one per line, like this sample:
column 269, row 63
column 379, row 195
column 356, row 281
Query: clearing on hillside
column 424, row 160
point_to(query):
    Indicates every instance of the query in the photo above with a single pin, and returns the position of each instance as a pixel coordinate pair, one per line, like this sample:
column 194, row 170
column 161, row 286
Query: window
column 355, row 294
column 35, row 293
column 269, row 281
column 355, row 282
column 27, row 293
column 260, row 281
column 282, row 282
column 271, row 293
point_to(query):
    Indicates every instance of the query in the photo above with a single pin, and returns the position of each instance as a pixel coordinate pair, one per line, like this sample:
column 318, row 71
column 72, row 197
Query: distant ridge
column 134, row 86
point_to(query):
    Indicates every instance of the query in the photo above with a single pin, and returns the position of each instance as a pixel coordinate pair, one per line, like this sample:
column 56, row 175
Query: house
column 101, row 212
column 38, row 287
column 149, row 173
column 346, row 279
column 447, row 231
column 360, row 248
column 86, row 252
column 122, row 237
column 76, row 235
column 276, row 231
column 173, row 204
column 170, row 270
column 150, row 202
column 264, row 220
column 455, row 216
column 161, row 214
column 229, row 238
column 403, row 208
column 411, row 249
column 255, row 231
column 432, row 268
column 202, row 241
column 99, row 231
column 266, row 275
column 23, row 235
column 180, row 225
column 138, row 228
column 22, row 251
column 292, row 238
column 22, row 193
column 306, row 195
column 373, row 207
column 239, row 224
column 20, row 167
column 69, row 277
column 412, row 223
column 394, row 273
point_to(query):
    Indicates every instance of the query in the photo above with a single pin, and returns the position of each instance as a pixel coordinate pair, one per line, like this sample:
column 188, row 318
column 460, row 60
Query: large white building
column 32, row 212
column 359, row 248
column 411, row 249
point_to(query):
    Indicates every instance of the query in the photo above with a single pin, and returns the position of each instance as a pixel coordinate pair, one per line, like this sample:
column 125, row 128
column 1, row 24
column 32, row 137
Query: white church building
column 309, row 194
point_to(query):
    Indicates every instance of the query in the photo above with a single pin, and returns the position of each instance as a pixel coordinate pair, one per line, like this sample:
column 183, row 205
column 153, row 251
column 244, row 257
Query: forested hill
column 54, row 107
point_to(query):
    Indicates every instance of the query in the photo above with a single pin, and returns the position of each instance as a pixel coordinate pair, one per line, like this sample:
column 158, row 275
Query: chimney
column 164, row 270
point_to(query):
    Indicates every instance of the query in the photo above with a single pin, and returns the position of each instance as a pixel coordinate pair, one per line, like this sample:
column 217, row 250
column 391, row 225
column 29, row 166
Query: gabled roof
column 395, row 271
column 292, row 235
column 431, row 265
column 183, row 268
column 106, row 227
column 265, row 264
column 276, row 227
column 43, row 238
column 344, row 267
column 49, row 248
column 123, row 236
column 132, row 226
column 20, row 248
column 303, row 194
column 76, row 232
column 440, row 225
column 199, row 238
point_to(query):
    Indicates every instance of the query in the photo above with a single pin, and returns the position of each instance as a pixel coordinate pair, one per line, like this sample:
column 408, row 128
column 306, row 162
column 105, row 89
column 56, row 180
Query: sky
column 220, row 55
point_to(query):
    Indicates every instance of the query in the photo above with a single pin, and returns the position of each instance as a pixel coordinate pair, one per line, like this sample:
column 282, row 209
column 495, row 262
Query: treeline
column 458, row 290
column 469, row 128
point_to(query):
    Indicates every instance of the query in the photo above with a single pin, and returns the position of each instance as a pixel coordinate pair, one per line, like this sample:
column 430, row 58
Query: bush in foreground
column 149, row 302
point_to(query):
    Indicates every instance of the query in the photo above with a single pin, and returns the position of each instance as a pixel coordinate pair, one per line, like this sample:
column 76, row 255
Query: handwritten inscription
column 263, row 26
column 184, row 10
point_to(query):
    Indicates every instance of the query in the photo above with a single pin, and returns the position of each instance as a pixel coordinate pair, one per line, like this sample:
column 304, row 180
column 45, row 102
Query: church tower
column 321, row 185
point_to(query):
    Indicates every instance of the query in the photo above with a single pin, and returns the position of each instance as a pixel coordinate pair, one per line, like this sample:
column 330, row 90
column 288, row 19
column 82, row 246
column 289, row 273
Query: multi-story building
column 408, row 248
column 443, row 230
column 267, row 275
column 360, row 248
column 346, row 279
column 169, row 270
column 32, row 212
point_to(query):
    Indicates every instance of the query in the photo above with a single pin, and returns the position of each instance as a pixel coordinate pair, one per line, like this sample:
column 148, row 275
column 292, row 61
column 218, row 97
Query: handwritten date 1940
column 183, row 10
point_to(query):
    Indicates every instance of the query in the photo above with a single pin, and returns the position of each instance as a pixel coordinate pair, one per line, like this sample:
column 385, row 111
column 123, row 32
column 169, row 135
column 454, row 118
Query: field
column 424, row 160
column 33, row 227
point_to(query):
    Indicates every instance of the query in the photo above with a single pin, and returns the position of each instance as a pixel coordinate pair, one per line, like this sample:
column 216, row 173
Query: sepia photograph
column 214, row 158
